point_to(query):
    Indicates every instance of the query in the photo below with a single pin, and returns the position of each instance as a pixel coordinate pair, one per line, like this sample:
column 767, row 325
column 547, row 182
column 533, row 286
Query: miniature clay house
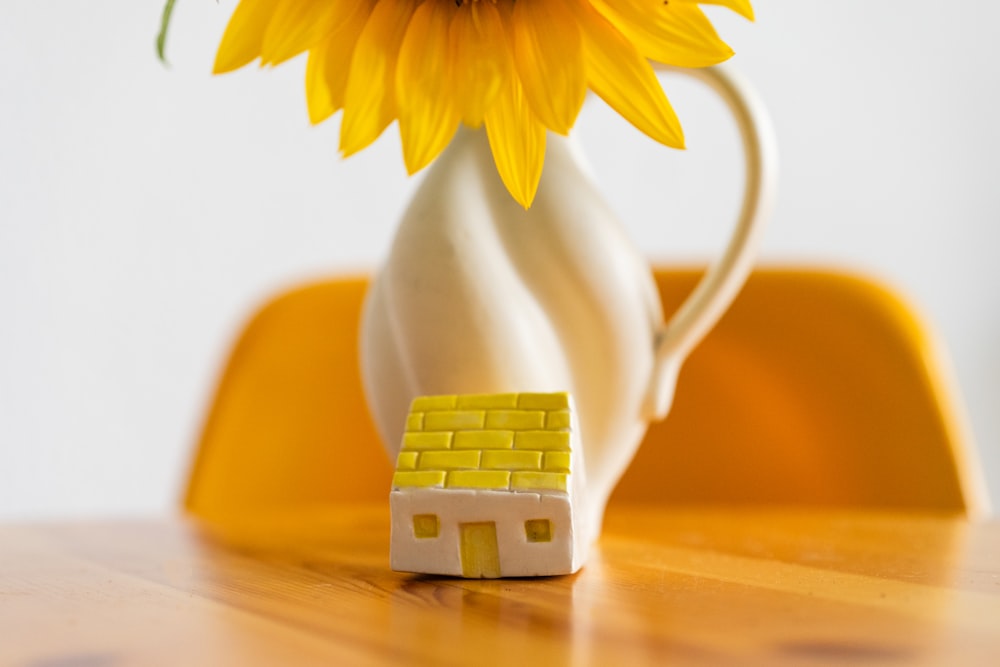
column 489, row 486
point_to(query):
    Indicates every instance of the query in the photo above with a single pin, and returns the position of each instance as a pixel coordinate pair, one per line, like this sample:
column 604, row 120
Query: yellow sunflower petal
column 244, row 35
column 623, row 78
column 425, row 89
column 549, row 57
column 674, row 33
column 318, row 98
column 517, row 139
column 297, row 25
column 480, row 57
column 741, row 7
column 370, row 97
column 329, row 64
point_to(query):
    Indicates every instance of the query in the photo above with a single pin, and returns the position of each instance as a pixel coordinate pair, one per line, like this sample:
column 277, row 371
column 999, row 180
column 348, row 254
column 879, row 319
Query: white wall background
column 144, row 212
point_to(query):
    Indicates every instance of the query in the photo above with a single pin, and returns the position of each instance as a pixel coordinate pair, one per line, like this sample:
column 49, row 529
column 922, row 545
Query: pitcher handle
column 725, row 277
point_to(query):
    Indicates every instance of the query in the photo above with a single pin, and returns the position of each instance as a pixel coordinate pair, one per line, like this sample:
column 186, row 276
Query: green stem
column 161, row 39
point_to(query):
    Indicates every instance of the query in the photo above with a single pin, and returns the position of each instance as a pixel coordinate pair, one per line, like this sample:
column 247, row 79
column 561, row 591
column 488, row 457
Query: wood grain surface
column 664, row 586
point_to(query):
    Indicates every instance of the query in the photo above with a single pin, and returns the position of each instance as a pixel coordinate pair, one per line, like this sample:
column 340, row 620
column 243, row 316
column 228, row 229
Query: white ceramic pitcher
column 479, row 295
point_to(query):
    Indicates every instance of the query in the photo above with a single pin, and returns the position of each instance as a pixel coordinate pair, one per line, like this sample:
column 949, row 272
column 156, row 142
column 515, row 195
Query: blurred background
column 145, row 211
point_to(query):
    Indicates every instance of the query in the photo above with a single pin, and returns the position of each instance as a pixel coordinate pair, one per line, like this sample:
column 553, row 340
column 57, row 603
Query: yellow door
column 480, row 556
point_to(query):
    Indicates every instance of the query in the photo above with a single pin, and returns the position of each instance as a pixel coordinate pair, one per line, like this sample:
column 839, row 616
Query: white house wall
column 509, row 510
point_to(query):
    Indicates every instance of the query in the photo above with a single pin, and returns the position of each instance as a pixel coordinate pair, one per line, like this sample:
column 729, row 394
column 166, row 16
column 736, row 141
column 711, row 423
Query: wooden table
column 701, row 587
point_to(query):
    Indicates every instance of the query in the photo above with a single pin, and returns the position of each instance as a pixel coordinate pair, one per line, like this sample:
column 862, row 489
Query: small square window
column 426, row 525
column 538, row 530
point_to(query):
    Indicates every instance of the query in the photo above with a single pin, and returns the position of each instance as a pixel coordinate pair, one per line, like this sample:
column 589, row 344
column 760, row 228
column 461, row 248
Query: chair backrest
column 816, row 388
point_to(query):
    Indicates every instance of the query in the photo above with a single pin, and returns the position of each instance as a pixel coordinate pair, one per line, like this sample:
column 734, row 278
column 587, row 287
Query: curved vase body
column 481, row 296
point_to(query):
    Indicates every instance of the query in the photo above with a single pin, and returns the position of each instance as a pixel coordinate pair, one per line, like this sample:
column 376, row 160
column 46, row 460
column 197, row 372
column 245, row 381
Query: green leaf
column 161, row 39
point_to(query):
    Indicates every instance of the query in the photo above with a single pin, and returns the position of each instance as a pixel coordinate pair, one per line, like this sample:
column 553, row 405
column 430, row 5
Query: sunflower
column 517, row 67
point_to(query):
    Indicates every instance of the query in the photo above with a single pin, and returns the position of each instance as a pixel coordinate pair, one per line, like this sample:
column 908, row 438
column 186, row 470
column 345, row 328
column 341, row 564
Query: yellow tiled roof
column 516, row 442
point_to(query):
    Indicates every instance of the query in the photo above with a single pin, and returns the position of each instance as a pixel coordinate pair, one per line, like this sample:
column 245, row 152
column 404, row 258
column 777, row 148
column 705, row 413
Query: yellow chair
column 816, row 388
